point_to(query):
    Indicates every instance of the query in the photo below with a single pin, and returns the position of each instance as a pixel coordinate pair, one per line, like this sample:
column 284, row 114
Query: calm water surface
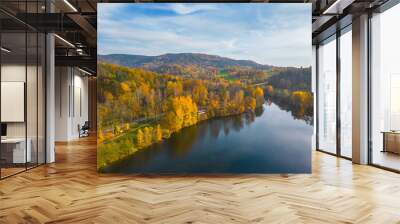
column 269, row 141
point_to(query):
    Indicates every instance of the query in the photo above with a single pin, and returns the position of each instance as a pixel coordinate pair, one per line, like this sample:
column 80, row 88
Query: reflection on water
column 270, row 140
column 298, row 111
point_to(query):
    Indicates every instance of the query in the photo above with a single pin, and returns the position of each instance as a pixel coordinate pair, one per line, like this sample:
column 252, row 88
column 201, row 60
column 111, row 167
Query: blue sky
column 275, row 34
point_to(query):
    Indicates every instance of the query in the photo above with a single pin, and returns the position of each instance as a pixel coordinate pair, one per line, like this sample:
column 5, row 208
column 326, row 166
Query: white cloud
column 106, row 10
column 184, row 9
column 265, row 37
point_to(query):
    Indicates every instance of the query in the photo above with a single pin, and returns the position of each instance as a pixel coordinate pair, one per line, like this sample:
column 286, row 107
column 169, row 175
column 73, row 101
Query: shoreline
column 169, row 136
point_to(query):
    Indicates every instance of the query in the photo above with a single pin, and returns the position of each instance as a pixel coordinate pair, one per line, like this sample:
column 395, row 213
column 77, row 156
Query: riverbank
column 131, row 140
column 253, row 142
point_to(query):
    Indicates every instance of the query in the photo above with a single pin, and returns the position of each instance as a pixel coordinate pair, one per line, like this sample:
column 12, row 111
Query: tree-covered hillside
column 137, row 107
column 292, row 79
column 202, row 60
column 203, row 66
column 155, row 97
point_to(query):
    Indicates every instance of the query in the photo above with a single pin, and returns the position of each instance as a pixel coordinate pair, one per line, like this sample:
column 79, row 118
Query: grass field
column 224, row 74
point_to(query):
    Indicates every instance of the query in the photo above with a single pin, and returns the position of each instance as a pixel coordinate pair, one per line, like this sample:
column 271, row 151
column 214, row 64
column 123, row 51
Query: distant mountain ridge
column 185, row 59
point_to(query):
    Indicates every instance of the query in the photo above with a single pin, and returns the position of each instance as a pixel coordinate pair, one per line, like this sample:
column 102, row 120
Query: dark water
column 269, row 141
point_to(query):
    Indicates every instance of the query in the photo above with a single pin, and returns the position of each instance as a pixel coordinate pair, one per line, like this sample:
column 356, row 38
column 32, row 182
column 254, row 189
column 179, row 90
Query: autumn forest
column 143, row 101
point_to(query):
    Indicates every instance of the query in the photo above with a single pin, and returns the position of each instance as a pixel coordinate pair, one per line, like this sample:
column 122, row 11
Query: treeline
column 247, row 75
column 137, row 107
column 126, row 94
column 290, row 88
column 186, row 71
column 298, row 102
column 291, row 79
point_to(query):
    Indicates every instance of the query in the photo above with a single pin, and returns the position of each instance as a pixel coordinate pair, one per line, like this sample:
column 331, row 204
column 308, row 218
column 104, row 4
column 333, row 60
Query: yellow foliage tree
column 239, row 101
column 213, row 107
column 269, row 90
column 174, row 88
column 183, row 113
column 172, row 121
column 157, row 134
column 200, row 93
column 301, row 97
column 100, row 136
column 189, row 109
column 259, row 95
column 147, row 135
column 117, row 129
column 125, row 87
column 140, row 138
column 109, row 96
column 126, row 127
column 251, row 103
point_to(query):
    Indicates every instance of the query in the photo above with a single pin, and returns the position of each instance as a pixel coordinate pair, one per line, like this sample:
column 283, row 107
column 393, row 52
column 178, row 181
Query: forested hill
column 202, row 60
column 292, row 79
column 203, row 66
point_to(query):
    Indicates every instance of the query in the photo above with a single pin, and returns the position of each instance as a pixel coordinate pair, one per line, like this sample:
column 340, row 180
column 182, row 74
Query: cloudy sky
column 274, row 34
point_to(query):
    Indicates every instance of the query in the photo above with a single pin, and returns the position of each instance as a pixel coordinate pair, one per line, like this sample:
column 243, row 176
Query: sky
column 268, row 33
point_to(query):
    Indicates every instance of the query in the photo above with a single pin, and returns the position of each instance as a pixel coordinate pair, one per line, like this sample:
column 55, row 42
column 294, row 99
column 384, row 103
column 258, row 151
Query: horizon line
column 290, row 66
